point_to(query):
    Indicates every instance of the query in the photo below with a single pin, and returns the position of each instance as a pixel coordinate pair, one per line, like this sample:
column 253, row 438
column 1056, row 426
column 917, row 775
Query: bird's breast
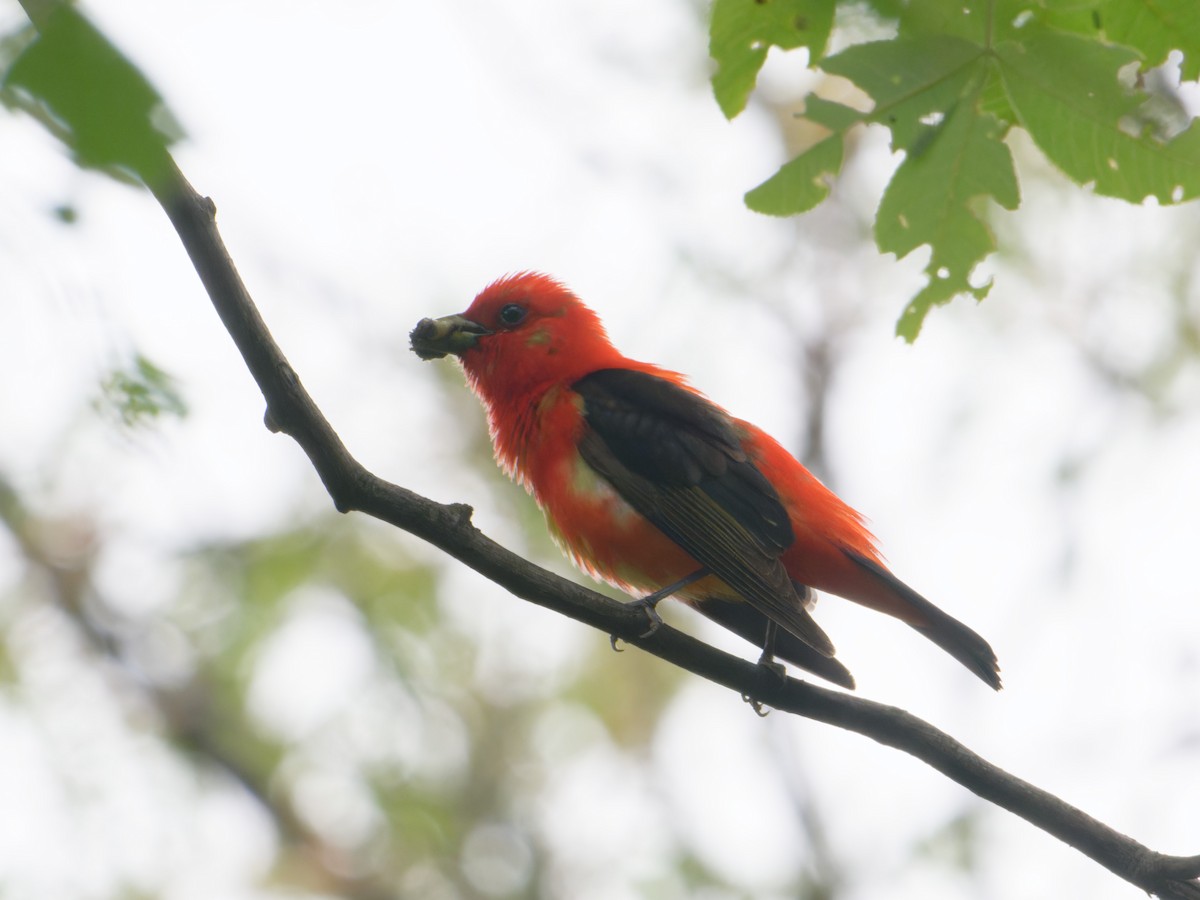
column 597, row 528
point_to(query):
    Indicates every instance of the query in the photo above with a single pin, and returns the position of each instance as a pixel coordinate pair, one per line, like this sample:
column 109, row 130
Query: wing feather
column 677, row 460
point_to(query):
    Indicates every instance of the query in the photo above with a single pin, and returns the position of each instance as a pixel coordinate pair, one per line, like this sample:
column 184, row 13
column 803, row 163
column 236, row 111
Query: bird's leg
column 767, row 659
column 808, row 601
column 650, row 601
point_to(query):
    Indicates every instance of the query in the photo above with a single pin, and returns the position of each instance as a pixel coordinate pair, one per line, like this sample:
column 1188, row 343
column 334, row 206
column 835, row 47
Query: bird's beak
column 435, row 338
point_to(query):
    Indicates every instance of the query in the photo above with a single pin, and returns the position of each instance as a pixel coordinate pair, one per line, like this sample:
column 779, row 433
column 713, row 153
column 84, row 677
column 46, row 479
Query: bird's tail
column 944, row 630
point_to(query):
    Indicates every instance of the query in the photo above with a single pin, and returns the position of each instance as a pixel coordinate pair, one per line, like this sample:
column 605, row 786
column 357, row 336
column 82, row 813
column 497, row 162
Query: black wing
column 676, row 459
column 745, row 620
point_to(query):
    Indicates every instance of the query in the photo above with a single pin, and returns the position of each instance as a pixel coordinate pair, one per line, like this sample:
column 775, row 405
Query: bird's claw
column 646, row 604
column 767, row 661
column 756, row 705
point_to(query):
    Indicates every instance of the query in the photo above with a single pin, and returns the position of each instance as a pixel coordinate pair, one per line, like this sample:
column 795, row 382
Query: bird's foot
column 650, row 601
column 767, row 661
column 646, row 604
column 756, row 705
column 778, row 669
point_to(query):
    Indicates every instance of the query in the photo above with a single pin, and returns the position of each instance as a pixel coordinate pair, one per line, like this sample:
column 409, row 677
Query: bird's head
column 524, row 330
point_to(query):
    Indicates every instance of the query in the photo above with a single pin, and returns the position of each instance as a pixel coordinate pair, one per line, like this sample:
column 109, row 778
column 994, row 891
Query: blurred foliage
column 96, row 101
column 950, row 85
column 66, row 214
column 956, row 842
column 140, row 393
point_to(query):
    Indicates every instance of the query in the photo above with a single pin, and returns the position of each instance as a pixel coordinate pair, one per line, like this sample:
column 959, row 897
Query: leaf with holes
column 950, row 85
column 911, row 80
column 800, row 184
column 933, row 199
column 930, row 92
column 1155, row 28
column 804, row 182
column 742, row 31
column 1065, row 90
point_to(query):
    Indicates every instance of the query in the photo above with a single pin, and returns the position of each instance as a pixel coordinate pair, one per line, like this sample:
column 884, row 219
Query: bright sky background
column 375, row 162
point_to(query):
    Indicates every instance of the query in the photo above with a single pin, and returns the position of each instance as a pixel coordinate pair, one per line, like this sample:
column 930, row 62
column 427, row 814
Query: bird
column 648, row 485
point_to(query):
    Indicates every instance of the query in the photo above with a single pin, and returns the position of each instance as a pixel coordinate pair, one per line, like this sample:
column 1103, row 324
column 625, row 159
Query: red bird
column 653, row 488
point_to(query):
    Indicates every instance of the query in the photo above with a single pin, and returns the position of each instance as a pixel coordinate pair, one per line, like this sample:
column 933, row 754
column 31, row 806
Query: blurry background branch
column 194, row 716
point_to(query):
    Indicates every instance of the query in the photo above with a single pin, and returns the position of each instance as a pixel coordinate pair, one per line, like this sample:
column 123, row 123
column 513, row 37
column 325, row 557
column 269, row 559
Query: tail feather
column 744, row 620
column 944, row 630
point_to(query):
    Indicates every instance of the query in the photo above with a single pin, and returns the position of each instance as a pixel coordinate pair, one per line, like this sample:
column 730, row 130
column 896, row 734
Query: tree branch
column 291, row 410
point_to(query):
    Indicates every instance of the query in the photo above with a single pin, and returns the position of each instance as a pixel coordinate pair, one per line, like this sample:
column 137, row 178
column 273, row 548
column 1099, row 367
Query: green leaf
column 742, row 31
column 834, row 116
column 800, row 184
column 804, row 182
column 969, row 20
column 1066, row 92
column 93, row 97
column 952, row 83
column 994, row 101
column 1155, row 28
column 12, row 45
column 910, row 80
column 931, row 200
column 931, row 93
column 1076, row 16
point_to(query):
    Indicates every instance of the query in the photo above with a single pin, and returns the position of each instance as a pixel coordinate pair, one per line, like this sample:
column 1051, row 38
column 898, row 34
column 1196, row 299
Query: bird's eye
column 512, row 314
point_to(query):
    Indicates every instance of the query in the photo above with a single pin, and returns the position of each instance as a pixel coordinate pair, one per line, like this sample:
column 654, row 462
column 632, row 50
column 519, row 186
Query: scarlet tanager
column 653, row 488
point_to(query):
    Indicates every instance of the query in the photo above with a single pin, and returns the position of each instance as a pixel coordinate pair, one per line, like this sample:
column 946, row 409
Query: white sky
column 374, row 162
